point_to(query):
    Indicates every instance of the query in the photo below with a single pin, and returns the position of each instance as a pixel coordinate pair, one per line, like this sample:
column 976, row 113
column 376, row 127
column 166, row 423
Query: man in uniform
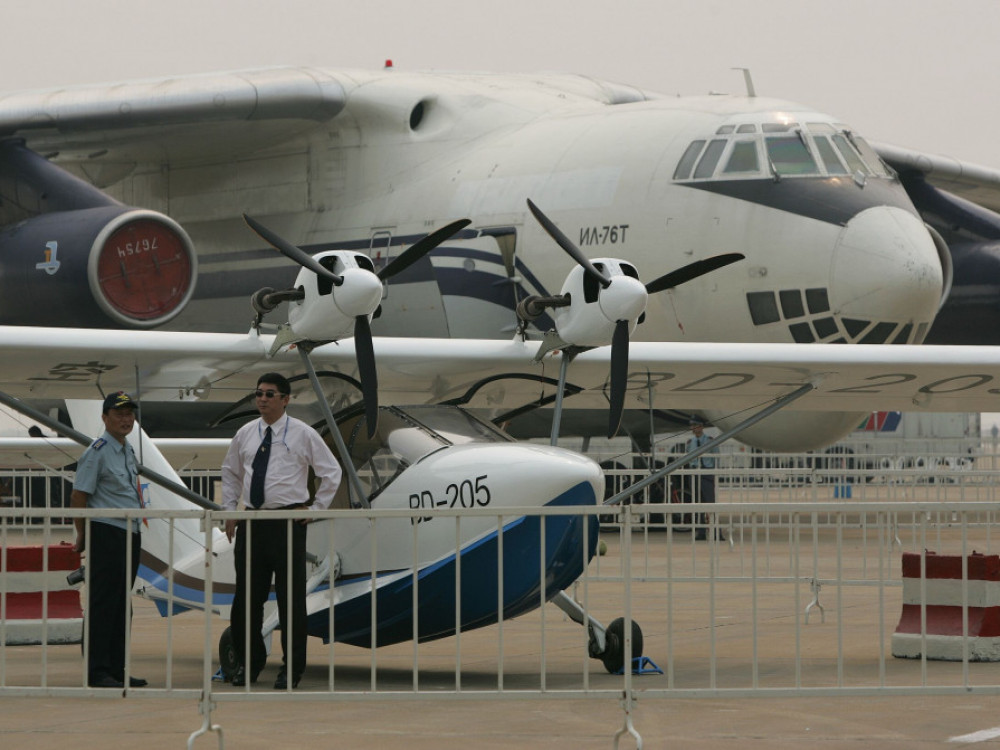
column 704, row 482
column 106, row 477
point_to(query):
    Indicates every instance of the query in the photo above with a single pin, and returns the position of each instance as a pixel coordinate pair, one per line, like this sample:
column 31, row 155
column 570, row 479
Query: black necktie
column 260, row 470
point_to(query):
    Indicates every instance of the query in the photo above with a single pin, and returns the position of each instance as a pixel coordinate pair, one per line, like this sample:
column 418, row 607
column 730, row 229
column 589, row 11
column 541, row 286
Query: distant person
column 107, row 477
column 703, row 483
column 268, row 467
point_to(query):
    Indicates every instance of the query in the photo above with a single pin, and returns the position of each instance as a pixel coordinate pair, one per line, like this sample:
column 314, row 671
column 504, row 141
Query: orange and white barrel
column 946, row 595
column 31, row 591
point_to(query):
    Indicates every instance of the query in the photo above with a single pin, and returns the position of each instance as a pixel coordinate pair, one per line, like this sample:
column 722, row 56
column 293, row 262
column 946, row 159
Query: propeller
column 630, row 296
column 360, row 281
column 292, row 252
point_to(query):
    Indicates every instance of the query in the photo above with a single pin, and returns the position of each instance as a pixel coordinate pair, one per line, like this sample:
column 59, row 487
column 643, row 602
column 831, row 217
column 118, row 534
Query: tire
column 227, row 654
column 613, row 657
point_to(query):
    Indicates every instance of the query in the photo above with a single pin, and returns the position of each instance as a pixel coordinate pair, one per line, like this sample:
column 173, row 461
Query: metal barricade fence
column 797, row 599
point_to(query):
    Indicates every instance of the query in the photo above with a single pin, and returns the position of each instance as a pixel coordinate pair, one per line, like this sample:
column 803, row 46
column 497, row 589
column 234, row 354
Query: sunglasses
column 267, row 394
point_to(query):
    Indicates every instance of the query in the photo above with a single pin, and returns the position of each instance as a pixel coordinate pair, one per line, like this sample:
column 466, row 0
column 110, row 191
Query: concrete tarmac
column 675, row 633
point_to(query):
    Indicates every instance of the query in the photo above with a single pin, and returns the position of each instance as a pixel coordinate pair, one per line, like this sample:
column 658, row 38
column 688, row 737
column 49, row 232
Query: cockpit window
column 869, row 155
column 791, row 149
column 790, row 156
column 743, row 158
column 850, row 155
column 829, row 155
column 686, row 163
column 706, row 167
column 404, row 437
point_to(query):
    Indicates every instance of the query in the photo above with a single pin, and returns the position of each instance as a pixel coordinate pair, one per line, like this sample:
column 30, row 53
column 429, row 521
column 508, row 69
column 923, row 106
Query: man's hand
column 80, row 544
column 230, row 529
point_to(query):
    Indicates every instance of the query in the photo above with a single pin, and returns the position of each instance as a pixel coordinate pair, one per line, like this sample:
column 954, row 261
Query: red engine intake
column 95, row 267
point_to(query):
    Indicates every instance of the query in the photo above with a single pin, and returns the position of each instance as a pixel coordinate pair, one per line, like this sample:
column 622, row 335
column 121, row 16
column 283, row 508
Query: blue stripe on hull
column 564, row 563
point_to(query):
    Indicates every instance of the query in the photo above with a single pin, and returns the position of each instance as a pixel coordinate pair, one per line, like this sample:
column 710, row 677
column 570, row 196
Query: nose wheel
column 613, row 656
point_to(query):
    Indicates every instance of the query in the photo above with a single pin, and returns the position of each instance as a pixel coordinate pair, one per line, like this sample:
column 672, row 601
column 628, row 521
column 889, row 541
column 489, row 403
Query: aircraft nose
column 886, row 271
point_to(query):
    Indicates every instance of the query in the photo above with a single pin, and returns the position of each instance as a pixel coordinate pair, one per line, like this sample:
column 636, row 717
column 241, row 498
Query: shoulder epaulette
column 98, row 444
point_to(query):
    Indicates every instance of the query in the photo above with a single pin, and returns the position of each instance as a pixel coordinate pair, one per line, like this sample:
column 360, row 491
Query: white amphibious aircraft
column 122, row 206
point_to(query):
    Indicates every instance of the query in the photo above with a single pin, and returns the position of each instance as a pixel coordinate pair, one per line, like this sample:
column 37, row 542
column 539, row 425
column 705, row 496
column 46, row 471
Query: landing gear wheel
column 613, row 657
column 227, row 654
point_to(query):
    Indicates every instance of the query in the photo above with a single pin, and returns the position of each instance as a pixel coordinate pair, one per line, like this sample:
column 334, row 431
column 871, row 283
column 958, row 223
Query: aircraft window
column 725, row 130
column 802, row 333
column 821, row 127
column 790, row 156
column 778, row 127
column 456, row 425
column 904, row 334
column 743, row 158
column 855, row 327
column 763, row 308
column 879, row 333
column 708, row 161
column 686, row 163
column 791, row 303
column 871, row 158
column 829, row 156
column 850, row 155
column 746, row 129
column 817, row 301
column 826, row 327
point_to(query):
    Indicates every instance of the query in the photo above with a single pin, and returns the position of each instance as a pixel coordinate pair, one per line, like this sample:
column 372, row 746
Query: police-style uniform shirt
column 705, row 460
column 107, row 472
column 295, row 446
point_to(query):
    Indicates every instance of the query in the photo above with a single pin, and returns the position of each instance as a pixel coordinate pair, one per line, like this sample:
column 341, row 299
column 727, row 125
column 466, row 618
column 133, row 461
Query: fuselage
column 834, row 250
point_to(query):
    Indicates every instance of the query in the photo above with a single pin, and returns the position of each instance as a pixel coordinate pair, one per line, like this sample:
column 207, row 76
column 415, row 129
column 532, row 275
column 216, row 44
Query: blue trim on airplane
column 564, row 563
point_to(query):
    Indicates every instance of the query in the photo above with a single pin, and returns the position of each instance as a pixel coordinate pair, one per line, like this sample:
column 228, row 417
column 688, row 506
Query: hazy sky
column 916, row 73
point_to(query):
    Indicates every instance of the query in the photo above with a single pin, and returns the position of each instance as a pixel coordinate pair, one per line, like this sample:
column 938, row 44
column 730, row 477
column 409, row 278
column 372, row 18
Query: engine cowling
column 107, row 266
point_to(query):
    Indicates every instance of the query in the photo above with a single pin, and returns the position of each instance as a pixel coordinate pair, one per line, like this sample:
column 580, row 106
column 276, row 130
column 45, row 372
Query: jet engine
column 98, row 267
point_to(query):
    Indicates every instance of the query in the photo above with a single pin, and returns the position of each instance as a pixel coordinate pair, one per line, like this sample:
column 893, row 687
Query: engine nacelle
column 590, row 318
column 327, row 312
column 94, row 268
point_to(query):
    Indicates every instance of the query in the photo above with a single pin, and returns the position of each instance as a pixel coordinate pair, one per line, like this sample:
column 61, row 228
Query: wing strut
column 781, row 403
column 331, row 423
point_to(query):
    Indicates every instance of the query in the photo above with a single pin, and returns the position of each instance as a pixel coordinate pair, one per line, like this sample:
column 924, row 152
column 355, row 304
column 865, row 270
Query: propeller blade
column 619, row 373
column 368, row 375
column 566, row 244
column 419, row 249
column 692, row 271
column 292, row 252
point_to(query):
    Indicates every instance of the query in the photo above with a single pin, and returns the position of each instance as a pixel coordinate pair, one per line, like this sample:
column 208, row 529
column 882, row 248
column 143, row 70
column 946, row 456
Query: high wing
column 498, row 375
column 973, row 182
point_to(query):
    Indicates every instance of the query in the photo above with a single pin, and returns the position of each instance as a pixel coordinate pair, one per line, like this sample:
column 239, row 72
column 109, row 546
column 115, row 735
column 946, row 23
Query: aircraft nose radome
column 556, row 470
column 886, row 268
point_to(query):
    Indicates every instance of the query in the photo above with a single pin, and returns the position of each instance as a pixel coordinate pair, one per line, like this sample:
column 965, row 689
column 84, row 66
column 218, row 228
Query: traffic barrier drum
column 27, row 584
column 944, row 603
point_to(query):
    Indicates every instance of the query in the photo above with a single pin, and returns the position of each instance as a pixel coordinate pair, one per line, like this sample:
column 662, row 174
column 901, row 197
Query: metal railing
column 791, row 598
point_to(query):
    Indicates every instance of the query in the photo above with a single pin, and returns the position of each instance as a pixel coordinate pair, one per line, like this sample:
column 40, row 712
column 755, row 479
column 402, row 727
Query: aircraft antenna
column 748, row 81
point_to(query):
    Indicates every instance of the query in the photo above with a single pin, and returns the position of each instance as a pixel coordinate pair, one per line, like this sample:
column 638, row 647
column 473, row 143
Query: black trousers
column 108, row 598
column 269, row 559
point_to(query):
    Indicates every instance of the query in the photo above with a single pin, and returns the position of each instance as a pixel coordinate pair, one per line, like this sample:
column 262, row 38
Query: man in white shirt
column 268, row 467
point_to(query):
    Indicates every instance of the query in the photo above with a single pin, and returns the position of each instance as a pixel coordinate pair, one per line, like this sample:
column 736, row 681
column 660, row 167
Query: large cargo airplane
column 122, row 207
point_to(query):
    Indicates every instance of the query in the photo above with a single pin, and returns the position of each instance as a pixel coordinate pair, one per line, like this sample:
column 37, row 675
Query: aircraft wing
column 42, row 363
column 183, row 453
column 972, row 182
